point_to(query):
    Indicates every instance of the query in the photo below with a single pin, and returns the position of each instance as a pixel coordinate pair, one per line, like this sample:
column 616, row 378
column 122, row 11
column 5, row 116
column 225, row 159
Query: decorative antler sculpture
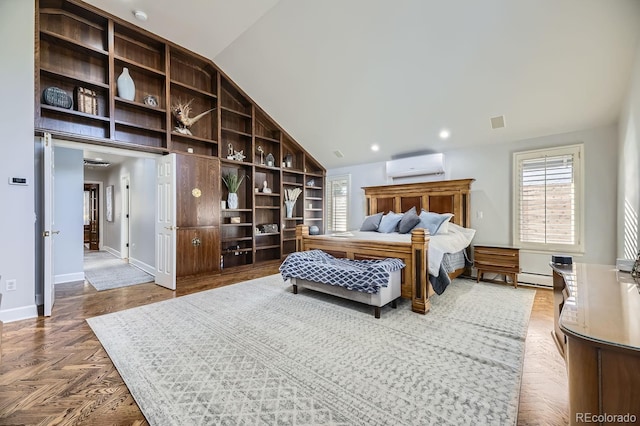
column 181, row 113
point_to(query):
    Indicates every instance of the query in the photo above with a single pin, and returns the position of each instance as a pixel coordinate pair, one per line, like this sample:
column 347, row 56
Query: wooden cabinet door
column 198, row 191
column 198, row 251
column 197, row 215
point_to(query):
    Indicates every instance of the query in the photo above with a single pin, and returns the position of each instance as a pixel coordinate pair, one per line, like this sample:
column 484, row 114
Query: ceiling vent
column 94, row 163
column 338, row 153
column 497, row 122
column 422, row 165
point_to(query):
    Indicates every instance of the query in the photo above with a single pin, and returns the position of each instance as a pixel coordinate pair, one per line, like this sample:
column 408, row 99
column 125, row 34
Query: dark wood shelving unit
column 56, row 75
column 194, row 90
column 233, row 111
column 80, row 46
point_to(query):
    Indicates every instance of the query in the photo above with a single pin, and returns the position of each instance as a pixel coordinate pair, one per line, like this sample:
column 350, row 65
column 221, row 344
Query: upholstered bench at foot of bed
column 385, row 295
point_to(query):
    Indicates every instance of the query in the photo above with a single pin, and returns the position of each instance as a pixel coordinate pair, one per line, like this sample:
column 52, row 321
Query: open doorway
column 91, row 216
column 115, row 208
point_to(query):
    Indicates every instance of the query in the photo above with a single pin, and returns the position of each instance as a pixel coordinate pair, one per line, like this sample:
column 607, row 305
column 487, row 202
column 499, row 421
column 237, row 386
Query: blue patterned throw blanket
column 366, row 276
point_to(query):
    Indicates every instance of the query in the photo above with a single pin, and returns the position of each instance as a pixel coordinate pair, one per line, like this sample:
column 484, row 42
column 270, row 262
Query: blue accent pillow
column 372, row 222
column 389, row 222
column 409, row 220
column 433, row 221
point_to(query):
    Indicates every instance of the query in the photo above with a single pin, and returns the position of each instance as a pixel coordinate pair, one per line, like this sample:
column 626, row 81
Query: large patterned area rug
column 254, row 353
column 104, row 271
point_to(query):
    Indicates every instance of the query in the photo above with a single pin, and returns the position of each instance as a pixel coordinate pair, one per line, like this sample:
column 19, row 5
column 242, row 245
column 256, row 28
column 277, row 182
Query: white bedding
column 457, row 239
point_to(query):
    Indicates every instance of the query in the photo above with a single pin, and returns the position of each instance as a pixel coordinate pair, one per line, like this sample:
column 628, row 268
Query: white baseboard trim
column 141, row 265
column 68, row 278
column 113, row 251
column 536, row 280
column 17, row 314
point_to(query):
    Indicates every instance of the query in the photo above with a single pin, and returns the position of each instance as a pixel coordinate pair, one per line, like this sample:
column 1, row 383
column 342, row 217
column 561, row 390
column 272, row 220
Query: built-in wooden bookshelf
column 80, row 46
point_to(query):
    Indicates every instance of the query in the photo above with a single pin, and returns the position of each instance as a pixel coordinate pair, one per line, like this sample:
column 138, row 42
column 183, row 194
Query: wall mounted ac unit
column 422, row 165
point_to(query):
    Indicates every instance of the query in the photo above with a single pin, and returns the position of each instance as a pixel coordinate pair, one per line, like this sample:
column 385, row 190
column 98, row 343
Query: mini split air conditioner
column 422, row 165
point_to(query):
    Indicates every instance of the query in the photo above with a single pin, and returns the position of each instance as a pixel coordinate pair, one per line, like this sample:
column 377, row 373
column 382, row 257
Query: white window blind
column 548, row 214
column 338, row 202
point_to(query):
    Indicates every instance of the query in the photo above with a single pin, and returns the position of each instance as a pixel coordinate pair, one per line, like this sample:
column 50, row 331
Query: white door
column 48, row 233
column 166, row 221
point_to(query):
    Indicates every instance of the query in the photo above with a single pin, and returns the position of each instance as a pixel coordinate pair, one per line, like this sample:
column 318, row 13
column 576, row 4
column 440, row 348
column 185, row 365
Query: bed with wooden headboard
column 449, row 196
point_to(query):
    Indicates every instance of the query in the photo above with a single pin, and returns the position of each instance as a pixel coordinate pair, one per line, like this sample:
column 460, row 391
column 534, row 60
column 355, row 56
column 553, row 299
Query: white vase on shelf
column 289, row 206
column 232, row 200
column 126, row 86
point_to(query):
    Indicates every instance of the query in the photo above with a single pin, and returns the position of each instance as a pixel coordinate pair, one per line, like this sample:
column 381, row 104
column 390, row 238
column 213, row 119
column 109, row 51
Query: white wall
column 17, row 250
column 491, row 194
column 68, row 215
column 629, row 169
column 142, row 173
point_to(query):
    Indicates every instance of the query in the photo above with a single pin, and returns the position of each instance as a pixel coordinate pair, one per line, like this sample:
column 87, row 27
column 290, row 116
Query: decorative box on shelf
column 87, row 100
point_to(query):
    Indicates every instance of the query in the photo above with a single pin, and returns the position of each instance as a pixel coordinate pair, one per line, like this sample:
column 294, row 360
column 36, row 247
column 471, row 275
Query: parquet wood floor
column 55, row 372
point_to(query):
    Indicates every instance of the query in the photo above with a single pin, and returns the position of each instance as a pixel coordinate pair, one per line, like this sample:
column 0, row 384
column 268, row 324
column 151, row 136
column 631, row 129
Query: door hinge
column 127, row 245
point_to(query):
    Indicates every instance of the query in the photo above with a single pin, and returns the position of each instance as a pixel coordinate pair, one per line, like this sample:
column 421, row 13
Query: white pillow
column 466, row 233
column 444, row 227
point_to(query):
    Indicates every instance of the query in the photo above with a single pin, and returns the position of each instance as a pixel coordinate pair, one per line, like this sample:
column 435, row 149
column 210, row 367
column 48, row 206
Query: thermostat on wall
column 17, row 181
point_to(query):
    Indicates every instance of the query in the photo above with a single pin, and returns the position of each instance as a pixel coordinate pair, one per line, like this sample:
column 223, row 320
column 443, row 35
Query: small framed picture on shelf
column 150, row 100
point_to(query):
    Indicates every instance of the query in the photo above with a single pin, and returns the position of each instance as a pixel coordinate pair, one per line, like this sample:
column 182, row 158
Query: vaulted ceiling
column 347, row 74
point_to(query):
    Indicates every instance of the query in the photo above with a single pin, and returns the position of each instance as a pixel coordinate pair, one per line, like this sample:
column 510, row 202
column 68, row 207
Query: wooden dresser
column 597, row 328
column 499, row 260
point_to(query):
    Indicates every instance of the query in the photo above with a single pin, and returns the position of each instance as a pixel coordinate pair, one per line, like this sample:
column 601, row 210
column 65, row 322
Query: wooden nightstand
column 499, row 260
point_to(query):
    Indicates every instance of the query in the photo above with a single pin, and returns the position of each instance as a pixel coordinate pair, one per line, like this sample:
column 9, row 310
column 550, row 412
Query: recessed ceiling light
column 444, row 134
column 375, row 148
column 140, row 15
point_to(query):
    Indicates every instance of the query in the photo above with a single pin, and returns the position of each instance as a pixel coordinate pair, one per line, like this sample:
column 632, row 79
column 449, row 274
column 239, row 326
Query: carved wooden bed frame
column 449, row 196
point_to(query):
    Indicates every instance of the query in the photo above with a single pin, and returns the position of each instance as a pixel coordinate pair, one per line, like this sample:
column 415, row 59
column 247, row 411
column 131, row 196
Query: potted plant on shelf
column 290, row 197
column 232, row 182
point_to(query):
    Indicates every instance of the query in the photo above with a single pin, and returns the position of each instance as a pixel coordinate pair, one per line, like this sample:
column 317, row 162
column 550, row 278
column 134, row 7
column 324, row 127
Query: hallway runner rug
column 105, row 271
column 254, row 353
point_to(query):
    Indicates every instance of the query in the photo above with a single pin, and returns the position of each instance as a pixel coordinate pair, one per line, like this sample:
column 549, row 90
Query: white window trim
column 330, row 179
column 577, row 248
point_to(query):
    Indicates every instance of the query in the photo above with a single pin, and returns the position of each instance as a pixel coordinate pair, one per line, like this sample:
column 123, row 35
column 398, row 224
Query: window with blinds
column 338, row 202
column 548, row 185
